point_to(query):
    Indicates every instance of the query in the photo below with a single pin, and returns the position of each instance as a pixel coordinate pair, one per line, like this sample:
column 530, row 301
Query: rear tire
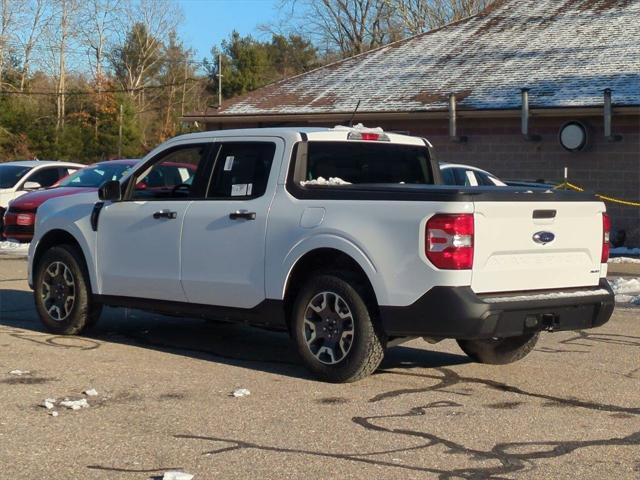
column 499, row 351
column 62, row 293
column 335, row 329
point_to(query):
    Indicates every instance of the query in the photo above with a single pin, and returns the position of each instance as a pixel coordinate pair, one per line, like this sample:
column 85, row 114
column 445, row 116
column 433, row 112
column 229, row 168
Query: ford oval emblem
column 543, row 237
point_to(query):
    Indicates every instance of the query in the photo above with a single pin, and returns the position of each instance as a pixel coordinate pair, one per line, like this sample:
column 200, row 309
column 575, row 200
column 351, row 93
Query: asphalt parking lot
column 571, row 409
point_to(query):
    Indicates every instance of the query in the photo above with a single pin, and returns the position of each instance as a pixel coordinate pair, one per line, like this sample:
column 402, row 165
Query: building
column 515, row 75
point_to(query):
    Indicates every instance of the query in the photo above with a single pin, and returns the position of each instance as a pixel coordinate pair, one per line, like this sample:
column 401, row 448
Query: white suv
column 17, row 178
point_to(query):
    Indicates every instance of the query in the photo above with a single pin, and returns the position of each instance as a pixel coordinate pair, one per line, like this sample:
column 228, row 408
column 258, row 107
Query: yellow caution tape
column 605, row 198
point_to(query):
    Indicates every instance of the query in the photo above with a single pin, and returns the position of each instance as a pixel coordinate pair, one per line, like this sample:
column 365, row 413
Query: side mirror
column 29, row 186
column 110, row 191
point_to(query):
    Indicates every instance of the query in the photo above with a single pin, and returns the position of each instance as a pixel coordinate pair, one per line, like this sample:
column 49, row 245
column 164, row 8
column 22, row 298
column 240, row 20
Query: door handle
column 165, row 214
column 238, row 214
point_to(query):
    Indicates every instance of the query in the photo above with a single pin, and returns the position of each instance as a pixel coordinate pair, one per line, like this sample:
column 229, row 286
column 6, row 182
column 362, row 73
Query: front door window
column 172, row 177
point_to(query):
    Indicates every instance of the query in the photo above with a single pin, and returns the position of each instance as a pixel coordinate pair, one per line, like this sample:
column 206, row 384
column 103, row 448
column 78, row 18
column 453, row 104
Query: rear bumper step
column 457, row 312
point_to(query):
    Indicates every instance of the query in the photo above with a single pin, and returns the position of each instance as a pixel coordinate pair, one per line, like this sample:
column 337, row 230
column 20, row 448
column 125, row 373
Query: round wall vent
column 573, row 136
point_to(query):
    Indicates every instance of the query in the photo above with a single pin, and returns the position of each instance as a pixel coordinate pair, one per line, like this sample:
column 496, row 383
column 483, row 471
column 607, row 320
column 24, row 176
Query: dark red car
column 20, row 218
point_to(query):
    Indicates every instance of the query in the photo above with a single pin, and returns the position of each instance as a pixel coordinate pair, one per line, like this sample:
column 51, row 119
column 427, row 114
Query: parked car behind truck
column 18, row 178
column 468, row 176
column 20, row 217
column 378, row 252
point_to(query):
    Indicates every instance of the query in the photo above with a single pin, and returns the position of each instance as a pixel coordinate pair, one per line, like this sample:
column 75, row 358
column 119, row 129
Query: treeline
column 92, row 79
column 87, row 80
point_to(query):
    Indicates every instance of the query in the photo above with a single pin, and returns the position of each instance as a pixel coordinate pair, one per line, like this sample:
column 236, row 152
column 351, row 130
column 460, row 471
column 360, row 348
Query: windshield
column 95, row 175
column 351, row 162
column 11, row 174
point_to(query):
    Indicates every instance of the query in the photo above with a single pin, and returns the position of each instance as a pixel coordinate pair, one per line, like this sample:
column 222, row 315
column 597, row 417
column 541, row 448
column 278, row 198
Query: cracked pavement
column 571, row 409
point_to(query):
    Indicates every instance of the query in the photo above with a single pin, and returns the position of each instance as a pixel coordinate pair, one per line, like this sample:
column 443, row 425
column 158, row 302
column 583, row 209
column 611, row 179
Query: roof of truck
column 337, row 133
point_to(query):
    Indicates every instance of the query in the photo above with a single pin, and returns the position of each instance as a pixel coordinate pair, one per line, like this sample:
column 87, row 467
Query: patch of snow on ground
column 624, row 260
column 14, row 248
column 19, row 373
column 627, row 290
column 177, row 476
column 75, row 404
column 241, row 392
column 625, row 285
column 324, row 181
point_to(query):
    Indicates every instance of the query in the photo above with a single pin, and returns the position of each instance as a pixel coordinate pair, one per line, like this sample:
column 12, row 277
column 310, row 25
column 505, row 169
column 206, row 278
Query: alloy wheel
column 328, row 327
column 58, row 291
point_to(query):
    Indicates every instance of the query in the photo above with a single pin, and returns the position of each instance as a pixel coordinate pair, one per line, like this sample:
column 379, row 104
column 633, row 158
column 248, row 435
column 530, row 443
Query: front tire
column 62, row 294
column 335, row 329
column 500, row 351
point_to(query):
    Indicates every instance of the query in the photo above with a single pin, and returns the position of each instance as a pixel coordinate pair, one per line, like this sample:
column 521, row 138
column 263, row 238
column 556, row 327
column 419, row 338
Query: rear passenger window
column 45, row 176
column 447, row 176
column 484, row 180
column 65, row 172
column 242, row 170
column 463, row 177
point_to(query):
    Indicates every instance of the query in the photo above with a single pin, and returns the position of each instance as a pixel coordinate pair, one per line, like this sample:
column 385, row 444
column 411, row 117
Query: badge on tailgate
column 543, row 237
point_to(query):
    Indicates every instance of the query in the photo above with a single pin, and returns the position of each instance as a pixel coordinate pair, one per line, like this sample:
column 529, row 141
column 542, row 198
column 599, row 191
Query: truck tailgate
column 523, row 246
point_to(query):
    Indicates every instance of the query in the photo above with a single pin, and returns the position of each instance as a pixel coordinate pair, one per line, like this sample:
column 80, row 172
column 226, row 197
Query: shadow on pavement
column 221, row 342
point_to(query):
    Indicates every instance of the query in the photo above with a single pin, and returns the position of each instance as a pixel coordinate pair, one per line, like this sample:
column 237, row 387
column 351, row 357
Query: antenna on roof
column 353, row 115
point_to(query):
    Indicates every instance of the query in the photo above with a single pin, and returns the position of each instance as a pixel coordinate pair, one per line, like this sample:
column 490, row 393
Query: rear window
column 366, row 163
column 11, row 174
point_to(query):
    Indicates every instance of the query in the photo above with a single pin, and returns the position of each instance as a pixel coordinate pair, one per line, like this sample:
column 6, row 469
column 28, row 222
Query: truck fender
column 59, row 227
column 323, row 241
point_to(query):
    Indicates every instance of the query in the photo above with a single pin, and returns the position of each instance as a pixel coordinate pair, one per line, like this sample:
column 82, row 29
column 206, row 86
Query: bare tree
column 66, row 10
column 349, row 26
column 9, row 11
column 417, row 16
column 99, row 20
column 138, row 58
column 148, row 24
column 34, row 19
column 60, row 33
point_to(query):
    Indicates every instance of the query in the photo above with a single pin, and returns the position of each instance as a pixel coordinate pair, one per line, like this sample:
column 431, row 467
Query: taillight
column 606, row 232
column 25, row 219
column 449, row 241
column 370, row 136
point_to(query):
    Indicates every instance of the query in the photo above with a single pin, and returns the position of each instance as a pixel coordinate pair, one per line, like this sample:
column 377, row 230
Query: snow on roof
column 565, row 51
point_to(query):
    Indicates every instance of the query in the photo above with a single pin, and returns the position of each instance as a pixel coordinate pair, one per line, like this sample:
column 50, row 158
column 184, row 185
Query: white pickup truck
column 344, row 237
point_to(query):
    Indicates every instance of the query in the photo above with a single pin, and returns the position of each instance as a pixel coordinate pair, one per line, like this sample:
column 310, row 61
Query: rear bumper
column 457, row 312
column 18, row 232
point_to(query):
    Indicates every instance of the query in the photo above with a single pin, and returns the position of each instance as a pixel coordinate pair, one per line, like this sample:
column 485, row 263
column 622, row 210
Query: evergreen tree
column 248, row 64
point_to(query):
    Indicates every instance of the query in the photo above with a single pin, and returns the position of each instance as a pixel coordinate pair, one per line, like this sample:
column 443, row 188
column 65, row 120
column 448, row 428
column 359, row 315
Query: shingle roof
column 565, row 51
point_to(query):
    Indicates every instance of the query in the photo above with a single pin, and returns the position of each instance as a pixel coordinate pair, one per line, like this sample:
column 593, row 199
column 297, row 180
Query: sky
column 208, row 22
